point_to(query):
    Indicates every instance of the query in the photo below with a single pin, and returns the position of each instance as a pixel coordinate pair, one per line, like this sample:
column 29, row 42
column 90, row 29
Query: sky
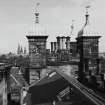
column 17, row 19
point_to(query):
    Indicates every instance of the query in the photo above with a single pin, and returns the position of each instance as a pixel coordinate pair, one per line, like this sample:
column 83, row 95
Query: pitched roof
column 17, row 77
column 47, row 88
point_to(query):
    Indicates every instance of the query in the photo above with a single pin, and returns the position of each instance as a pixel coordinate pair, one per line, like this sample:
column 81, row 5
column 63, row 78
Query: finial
column 87, row 7
column 37, row 13
column 37, row 4
column 87, row 15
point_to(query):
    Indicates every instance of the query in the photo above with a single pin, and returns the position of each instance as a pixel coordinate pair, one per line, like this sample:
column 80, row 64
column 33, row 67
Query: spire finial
column 87, row 15
column 87, row 7
column 37, row 13
column 37, row 5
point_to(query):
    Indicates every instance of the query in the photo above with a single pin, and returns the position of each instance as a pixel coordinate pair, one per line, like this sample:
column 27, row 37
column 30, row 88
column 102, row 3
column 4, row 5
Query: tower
column 63, row 42
column 52, row 46
column 87, row 44
column 21, row 50
column 25, row 51
column 18, row 49
column 58, row 42
column 68, row 43
column 37, row 51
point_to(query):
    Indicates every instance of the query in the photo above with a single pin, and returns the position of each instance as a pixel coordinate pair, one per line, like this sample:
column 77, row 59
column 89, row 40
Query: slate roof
column 16, row 78
column 47, row 88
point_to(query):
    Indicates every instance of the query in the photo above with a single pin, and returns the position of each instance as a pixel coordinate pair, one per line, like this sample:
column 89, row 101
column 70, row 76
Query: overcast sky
column 17, row 18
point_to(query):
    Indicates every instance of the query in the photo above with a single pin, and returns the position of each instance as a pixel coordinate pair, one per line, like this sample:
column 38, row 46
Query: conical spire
column 37, row 29
column 81, row 32
column 87, row 29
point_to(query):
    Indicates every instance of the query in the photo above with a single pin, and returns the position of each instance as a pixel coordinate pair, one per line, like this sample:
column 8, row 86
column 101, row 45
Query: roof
column 41, row 91
column 17, row 77
column 37, row 37
column 53, row 76
column 88, row 37
column 88, row 29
